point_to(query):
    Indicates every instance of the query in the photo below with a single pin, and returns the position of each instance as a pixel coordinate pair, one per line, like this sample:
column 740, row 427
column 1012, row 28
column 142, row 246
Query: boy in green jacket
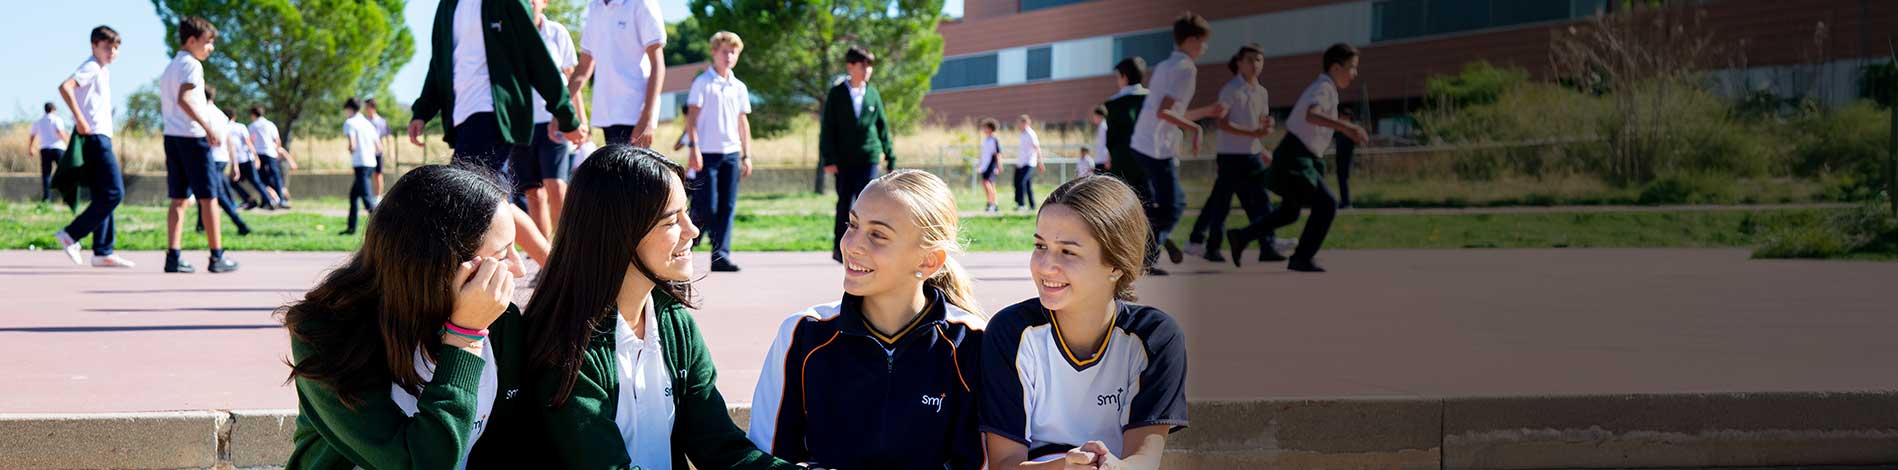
column 852, row 136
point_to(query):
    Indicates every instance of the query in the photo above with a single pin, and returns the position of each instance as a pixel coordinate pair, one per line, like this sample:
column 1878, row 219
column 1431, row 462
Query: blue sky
column 46, row 41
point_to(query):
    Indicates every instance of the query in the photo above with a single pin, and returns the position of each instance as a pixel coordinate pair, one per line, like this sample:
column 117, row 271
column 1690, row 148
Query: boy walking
column 1241, row 158
column 50, row 132
column 271, row 158
column 991, row 162
column 88, row 93
column 382, row 133
column 1298, row 173
column 188, row 166
column 364, row 145
column 1027, row 163
column 1164, row 122
column 852, row 137
column 221, row 163
column 718, row 119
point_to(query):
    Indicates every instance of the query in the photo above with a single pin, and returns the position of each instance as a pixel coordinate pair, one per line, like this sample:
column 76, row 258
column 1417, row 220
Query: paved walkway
column 1384, row 323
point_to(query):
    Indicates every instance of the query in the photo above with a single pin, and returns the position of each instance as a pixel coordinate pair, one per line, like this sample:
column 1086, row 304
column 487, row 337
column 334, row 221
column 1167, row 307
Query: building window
column 960, row 72
column 1154, row 46
column 1403, row 19
column 1032, row 5
column 1040, row 63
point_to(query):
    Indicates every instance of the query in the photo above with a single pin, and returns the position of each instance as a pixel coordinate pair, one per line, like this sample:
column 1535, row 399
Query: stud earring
column 919, row 274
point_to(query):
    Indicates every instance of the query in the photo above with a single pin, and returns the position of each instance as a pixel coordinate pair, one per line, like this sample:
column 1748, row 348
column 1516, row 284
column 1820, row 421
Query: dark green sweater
column 518, row 64
column 1122, row 114
column 581, row 434
column 378, row 435
column 848, row 138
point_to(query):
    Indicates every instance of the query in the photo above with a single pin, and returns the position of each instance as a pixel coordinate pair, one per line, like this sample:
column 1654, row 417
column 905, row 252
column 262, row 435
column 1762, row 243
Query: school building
column 1053, row 59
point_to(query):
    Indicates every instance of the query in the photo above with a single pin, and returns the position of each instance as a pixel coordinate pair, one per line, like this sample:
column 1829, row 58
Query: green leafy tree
column 142, row 113
column 297, row 58
column 687, row 43
column 794, row 52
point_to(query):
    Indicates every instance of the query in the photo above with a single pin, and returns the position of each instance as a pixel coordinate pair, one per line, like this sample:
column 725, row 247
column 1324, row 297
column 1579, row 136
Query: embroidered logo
column 496, row 26
column 1116, row 398
column 511, row 392
column 935, row 401
column 668, row 391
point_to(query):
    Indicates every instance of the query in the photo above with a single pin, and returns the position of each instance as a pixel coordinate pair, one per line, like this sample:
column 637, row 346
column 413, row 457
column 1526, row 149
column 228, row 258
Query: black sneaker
column 1214, row 256
column 1237, row 243
column 1269, row 253
column 1305, row 267
column 347, row 232
column 222, row 265
column 1173, row 252
column 243, row 231
column 174, row 265
column 721, row 265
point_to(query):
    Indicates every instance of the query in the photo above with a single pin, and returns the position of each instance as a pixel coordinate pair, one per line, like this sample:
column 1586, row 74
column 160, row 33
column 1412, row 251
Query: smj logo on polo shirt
column 496, row 26
column 935, row 401
column 1115, row 398
column 511, row 392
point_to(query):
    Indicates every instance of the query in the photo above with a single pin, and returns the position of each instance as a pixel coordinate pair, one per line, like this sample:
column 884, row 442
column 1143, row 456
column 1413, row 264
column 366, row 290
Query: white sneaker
column 1196, row 249
column 112, row 261
column 1286, row 244
column 71, row 246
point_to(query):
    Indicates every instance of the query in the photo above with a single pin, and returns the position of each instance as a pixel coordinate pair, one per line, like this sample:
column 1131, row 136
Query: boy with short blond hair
column 718, row 113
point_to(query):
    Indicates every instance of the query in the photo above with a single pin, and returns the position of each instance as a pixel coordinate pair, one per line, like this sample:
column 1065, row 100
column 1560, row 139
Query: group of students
column 411, row 354
column 208, row 154
column 1146, row 126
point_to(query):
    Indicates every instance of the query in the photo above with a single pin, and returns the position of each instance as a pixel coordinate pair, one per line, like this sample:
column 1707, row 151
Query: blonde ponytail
column 933, row 208
column 956, row 286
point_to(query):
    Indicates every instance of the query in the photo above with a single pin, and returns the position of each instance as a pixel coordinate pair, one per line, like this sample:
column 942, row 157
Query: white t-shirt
column 1085, row 167
column 94, row 96
column 1173, row 78
column 991, row 151
column 484, row 396
column 560, row 45
column 617, row 34
column 382, row 126
column 645, row 413
column 184, row 69
column 1100, row 139
column 1030, row 152
column 358, row 129
column 856, row 97
column 264, row 134
column 720, row 100
column 1246, row 103
column 234, row 139
column 48, row 128
column 473, row 92
column 220, row 124
column 1321, row 96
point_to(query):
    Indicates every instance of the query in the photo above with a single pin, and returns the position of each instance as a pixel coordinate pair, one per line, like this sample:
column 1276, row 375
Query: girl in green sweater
column 405, row 357
column 621, row 376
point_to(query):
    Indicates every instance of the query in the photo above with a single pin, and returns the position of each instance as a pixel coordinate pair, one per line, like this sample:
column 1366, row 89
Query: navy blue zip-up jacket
column 839, row 394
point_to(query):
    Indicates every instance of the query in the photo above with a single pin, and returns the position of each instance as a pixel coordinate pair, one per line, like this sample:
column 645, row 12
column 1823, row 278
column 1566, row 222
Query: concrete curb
column 1534, row 432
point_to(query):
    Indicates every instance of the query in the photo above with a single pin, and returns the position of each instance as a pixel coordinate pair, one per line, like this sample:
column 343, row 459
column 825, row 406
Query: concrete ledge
column 1538, row 432
column 1656, row 431
column 176, row 439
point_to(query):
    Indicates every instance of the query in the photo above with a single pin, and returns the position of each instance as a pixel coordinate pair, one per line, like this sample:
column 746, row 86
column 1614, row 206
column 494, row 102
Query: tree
column 1639, row 56
column 142, row 113
column 794, row 52
column 297, row 57
column 687, row 43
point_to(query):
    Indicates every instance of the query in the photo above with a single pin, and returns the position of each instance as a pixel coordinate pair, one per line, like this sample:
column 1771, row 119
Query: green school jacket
column 1122, row 114
column 581, row 433
column 846, row 138
column 377, row 435
column 518, row 64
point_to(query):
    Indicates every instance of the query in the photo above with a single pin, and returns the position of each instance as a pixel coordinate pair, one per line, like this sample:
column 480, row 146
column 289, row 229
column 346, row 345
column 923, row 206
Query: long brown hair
column 365, row 320
column 618, row 196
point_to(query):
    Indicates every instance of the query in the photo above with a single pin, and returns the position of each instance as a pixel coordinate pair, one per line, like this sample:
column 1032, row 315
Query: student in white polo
column 364, row 144
column 50, row 132
column 718, row 113
column 221, row 125
column 624, row 40
column 1165, row 125
column 271, row 156
column 1027, row 163
column 542, row 171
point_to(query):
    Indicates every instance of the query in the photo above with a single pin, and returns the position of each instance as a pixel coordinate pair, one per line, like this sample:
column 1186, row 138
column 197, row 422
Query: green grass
column 141, row 228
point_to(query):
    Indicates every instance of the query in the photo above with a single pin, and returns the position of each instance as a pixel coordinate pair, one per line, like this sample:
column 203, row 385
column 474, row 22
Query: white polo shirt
column 560, row 46
column 184, row 69
column 234, row 139
column 220, row 125
column 1173, row 78
column 473, row 92
column 1321, row 96
column 1100, row 140
column 47, row 129
column 1245, row 105
column 484, row 393
column 264, row 134
column 1030, row 152
column 94, row 96
column 617, row 34
column 720, row 100
column 991, row 151
column 645, row 412
column 358, row 129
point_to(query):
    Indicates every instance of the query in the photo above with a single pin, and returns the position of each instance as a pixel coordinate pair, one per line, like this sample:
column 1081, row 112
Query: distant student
column 1099, row 154
column 243, row 160
column 1123, row 111
column 88, row 93
column 718, row 118
column 544, row 168
column 852, row 137
column 1165, row 122
column 1297, row 172
column 364, row 144
column 221, row 164
column 1027, row 163
column 271, row 156
column 1080, row 376
column 189, row 171
column 990, row 163
column 1241, row 158
column 382, row 133
column 50, row 132
column 1084, row 163
column 625, row 40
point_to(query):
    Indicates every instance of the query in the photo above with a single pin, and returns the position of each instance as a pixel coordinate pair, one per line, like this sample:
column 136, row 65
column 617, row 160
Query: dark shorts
column 988, row 172
column 188, row 168
column 554, row 159
column 378, row 163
